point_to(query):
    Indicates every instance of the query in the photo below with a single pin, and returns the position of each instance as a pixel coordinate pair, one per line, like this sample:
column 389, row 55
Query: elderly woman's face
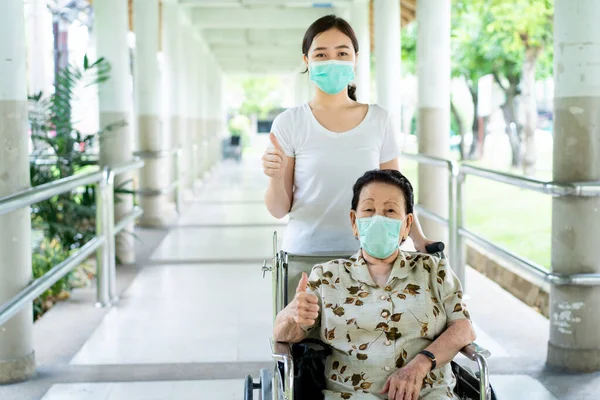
column 382, row 199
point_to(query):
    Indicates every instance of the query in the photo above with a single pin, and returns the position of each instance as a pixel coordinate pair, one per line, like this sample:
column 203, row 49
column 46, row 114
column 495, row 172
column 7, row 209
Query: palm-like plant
column 61, row 151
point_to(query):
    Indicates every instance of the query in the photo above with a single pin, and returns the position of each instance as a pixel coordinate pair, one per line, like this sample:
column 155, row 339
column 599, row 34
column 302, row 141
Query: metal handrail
column 103, row 243
column 155, row 154
column 555, row 189
column 40, row 193
column 591, row 188
column 127, row 167
column 457, row 233
column 45, row 282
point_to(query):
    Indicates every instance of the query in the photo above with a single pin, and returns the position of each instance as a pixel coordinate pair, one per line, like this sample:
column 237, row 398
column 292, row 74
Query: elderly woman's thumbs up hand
column 274, row 160
column 305, row 306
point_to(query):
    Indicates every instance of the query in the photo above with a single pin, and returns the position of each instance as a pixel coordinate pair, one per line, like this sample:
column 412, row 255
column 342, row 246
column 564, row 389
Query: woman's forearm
column 457, row 335
column 416, row 232
column 277, row 199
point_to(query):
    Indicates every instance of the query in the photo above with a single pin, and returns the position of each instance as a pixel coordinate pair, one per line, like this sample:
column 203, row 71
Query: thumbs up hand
column 274, row 160
column 305, row 306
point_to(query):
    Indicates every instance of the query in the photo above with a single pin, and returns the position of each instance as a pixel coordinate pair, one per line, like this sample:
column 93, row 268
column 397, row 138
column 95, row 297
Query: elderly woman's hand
column 406, row 383
column 305, row 307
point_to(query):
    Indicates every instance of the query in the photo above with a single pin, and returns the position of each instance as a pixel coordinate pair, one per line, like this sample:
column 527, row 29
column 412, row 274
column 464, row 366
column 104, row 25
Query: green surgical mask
column 379, row 236
column 331, row 76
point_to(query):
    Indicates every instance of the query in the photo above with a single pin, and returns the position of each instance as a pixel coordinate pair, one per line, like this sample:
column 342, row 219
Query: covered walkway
column 188, row 315
column 194, row 315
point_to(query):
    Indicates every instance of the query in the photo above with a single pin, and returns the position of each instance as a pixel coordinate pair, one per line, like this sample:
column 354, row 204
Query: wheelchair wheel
column 249, row 387
column 266, row 384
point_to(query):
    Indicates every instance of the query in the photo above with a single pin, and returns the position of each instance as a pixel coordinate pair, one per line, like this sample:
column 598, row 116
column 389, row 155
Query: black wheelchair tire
column 249, row 388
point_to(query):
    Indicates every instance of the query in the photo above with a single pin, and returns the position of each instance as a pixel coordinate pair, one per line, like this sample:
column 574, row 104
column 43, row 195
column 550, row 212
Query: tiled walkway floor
column 182, row 390
column 199, row 309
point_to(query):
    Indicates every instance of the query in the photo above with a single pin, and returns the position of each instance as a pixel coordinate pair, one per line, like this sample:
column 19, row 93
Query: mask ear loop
column 401, row 224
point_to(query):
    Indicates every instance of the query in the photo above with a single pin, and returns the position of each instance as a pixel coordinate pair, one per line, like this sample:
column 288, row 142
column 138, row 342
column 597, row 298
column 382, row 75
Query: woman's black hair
column 389, row 176
column 324, row 24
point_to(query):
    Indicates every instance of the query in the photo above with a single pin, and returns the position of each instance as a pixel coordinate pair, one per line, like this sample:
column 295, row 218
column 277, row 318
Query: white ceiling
column 258, row 36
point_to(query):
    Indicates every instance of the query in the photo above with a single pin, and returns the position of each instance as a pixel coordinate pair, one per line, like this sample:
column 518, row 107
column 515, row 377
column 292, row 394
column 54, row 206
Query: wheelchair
column 278, row 383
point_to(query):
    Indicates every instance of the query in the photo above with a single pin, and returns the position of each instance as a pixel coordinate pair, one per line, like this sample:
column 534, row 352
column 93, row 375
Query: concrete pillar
column 188, row 61
column 360, row 23
column 211, row 128
column 221, row 112
column 158, row 209
column 172, row 50
column 574, row 317
column 215, row 114
column 185, row 93
column 433, row 73
column 220, row 105
column 115, row 101
column 169, row 76
column 388, row 56
column 194, row 102
column 205, row 99
column 39, row 47
column 201, row 99
column 17, row 359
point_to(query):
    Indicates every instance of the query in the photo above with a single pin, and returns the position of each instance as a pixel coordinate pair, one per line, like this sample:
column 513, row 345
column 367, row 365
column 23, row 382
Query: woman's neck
column 380, row 269
column 326, row 101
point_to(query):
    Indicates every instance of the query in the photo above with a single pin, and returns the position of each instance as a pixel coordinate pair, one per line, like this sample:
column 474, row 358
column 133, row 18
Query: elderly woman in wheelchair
column 394, row 319
column 388, row 322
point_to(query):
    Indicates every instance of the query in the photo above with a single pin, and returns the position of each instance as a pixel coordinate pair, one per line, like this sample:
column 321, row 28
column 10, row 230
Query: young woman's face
column 331, row 45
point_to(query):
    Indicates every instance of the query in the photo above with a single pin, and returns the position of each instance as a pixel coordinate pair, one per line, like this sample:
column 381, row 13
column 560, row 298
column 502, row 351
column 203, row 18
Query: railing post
column 195, row 166
column 461, row 248
column 103, row 194
column 205, row 158
column 110, row 228
column 178, row 179
column 454, row 215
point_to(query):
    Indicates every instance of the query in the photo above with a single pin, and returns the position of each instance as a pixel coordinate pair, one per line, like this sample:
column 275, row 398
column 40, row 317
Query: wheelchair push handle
column 436, row 247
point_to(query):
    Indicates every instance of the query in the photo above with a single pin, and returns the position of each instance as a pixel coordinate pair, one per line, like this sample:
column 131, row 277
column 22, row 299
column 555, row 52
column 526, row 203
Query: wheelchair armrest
column 282, row 353
column 473, row 351
column 478, row 354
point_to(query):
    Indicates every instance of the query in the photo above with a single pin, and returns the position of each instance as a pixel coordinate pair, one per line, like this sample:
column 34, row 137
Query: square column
column 574, row 317
column 17, row 359
column 153, row 144
column 115, row 102
column 433, row 72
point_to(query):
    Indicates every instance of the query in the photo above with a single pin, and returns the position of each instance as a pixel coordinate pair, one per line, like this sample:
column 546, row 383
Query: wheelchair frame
column 281, row 352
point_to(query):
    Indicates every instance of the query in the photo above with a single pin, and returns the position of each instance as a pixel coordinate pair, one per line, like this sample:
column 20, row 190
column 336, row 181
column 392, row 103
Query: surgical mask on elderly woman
column 331, row 76
column 379, row 236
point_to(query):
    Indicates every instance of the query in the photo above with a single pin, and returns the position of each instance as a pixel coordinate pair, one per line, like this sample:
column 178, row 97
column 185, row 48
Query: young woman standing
column 321, row 148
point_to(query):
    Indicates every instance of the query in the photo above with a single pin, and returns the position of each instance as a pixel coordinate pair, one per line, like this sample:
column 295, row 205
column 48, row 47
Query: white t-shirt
column 327, row 166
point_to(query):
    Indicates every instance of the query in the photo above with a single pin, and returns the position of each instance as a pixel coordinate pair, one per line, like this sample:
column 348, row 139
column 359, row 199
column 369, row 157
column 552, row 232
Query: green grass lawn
column 516, row 219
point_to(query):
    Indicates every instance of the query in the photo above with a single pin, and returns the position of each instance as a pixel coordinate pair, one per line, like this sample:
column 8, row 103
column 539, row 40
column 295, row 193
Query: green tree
column 261, row 95
column 469, row 20
column 519, row 39
column 62, row 151
column 509, row 40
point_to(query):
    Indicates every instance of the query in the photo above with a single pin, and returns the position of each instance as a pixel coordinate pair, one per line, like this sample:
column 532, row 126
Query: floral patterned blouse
column 374, row 330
